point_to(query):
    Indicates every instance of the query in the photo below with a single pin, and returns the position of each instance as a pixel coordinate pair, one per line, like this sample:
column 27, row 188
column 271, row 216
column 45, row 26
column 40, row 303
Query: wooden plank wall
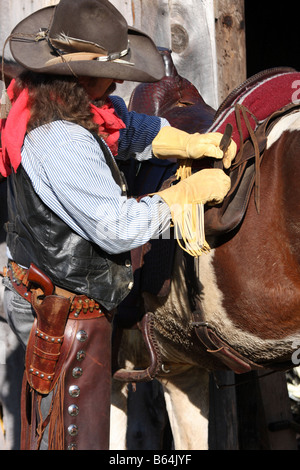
column 13, row 11
column 207, row 37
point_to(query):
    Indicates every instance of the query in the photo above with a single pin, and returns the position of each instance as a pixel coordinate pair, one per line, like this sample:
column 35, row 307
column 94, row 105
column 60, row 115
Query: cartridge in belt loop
column 78, row 306
column 85, row 306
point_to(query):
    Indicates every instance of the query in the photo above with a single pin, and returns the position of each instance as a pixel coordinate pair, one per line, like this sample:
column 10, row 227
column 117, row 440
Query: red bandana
column 13, row 129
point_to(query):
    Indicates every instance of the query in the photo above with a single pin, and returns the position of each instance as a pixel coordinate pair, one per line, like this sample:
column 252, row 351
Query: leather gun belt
column 81, row 306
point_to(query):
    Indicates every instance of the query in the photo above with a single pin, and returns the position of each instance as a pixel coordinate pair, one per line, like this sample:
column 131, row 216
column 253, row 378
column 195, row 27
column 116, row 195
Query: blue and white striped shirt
column 69, row 173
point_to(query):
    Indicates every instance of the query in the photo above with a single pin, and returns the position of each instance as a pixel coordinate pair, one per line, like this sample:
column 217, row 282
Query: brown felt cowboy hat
column 85, row 37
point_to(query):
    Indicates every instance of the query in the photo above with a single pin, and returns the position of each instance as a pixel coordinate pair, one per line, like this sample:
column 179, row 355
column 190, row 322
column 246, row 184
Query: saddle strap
column 239, row 109
column 148, row 374
column 221, row 350
column 81, row 306
column 225, row 353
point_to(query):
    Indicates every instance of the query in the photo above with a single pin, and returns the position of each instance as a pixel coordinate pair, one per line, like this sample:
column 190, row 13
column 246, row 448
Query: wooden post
column 277, row 411
column 223, row 420
column 185, row 27
column 230, row 44
column 264, row 412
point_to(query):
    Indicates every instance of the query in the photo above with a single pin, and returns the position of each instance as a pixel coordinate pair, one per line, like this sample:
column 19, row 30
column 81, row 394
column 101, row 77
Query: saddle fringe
column 189, row 229
column 189, row 221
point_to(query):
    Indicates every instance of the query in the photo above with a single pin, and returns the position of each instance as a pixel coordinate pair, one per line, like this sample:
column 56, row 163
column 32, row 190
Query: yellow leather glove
column 186, row 201
column 171, row 142
column 209, row 185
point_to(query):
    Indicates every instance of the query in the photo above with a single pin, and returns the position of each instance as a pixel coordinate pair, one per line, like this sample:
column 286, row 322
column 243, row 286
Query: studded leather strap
column 87, row 385
column 81, row 306
column 45, row 341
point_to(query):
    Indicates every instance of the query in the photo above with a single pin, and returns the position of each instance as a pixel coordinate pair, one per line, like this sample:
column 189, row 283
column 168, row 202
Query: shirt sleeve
column 136, row 139
column 68, row 171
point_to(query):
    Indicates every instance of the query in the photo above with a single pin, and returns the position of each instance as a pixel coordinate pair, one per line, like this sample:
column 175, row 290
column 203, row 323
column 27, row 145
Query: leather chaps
column 66, row 392
column 79, row 404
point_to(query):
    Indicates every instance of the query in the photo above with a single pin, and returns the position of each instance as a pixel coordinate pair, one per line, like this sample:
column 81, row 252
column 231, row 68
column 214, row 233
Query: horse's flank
column 256, row 277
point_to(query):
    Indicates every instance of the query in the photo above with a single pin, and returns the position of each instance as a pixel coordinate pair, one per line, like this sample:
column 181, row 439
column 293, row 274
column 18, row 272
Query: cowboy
column 71, row 226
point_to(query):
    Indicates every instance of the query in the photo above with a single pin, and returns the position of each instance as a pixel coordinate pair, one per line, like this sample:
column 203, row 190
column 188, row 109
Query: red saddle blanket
column 262, row 97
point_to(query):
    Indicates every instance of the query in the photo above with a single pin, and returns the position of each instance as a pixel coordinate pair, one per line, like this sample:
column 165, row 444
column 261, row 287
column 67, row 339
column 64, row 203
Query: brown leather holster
column 79, row 414
column 45, row 341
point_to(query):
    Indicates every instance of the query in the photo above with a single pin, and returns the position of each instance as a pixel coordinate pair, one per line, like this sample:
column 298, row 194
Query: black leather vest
column 35, row 234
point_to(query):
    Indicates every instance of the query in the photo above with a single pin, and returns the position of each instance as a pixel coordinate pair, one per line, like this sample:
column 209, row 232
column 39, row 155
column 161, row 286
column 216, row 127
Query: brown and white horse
column 256, row 270
column 247, row 288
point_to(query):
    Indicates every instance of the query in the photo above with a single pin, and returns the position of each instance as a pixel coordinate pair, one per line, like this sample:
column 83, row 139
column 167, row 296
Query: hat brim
column 147, row 63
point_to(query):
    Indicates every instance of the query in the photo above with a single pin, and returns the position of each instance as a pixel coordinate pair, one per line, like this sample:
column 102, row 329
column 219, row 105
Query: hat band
column 79, row 56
